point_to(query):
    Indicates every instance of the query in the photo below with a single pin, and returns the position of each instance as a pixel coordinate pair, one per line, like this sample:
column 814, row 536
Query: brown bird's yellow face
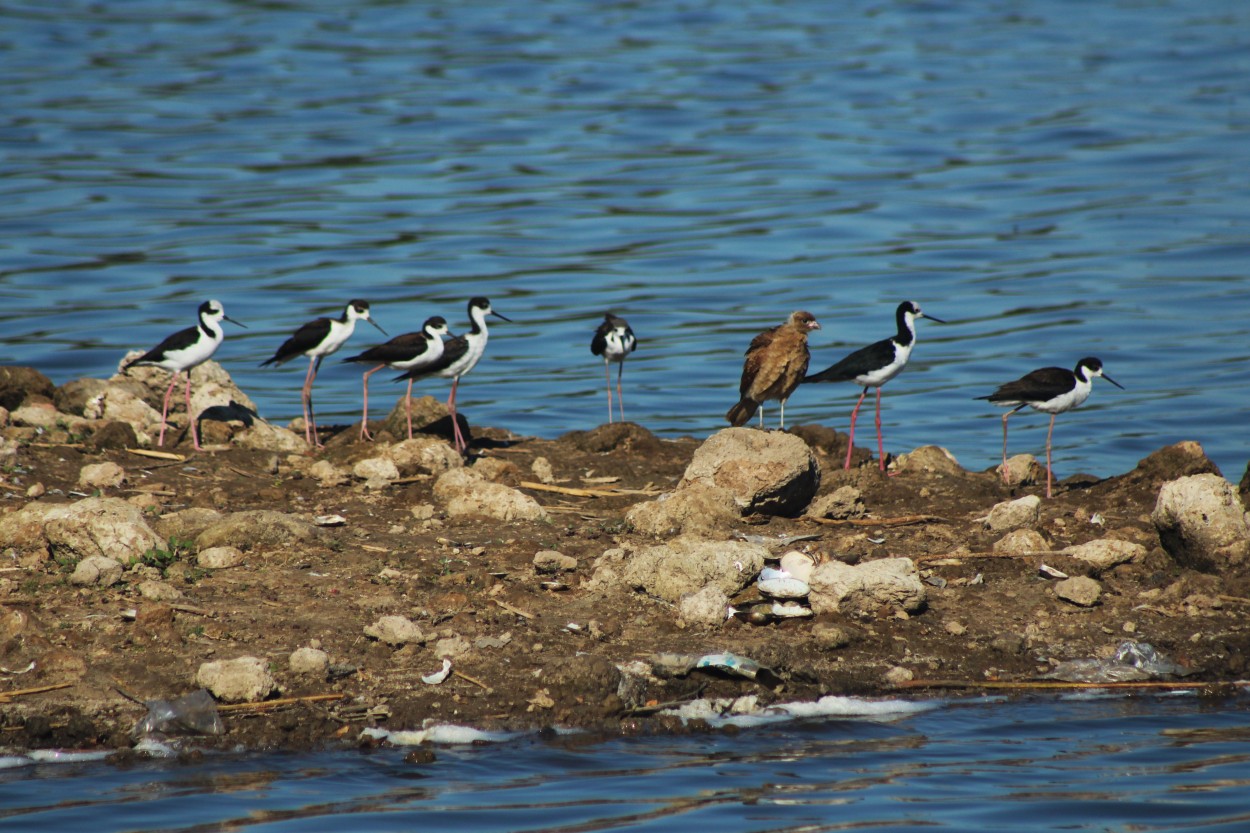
column 804, row 320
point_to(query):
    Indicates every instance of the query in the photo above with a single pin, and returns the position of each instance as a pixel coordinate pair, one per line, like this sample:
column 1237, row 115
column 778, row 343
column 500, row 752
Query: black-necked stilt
column 614, row 340
column 318, row 339
column 1051, row 390
column 404, row 352
column 774, row 366
column 873, row 366
column 460, row 354
column 184, row 350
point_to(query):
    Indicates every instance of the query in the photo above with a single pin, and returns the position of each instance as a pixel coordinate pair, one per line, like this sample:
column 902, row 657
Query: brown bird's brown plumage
column 776, row 362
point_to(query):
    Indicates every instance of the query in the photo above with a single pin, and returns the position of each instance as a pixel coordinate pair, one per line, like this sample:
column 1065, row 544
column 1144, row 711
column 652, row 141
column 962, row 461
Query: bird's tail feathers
column 741, row 413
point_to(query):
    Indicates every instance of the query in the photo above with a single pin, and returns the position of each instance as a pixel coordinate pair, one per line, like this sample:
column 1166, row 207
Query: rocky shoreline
column 589, row 581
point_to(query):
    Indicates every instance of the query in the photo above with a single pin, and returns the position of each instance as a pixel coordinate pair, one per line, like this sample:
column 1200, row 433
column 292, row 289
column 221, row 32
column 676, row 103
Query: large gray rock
column 96, row 571
column 395, row 630
column 887, row 582
column 1107, row 553
column 766, row 472
column 690, row 510
column 256, row 529
column 1202, row 523
column 241, row 680
column 1014, row 514
column 1081, row 591
column 424, row 455
column 687, row 565
column 99, row 526
column 464, row 492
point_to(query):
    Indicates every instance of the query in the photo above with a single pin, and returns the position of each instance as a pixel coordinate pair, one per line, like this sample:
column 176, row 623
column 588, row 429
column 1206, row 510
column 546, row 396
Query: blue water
column 1057, row 178
column 1155, row 764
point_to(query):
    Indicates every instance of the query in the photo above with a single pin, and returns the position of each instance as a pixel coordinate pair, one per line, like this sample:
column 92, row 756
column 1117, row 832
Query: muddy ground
column 545, row 650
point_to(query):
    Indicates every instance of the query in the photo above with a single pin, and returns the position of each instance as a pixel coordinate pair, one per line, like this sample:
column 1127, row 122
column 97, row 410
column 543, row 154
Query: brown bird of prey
column 775, row 364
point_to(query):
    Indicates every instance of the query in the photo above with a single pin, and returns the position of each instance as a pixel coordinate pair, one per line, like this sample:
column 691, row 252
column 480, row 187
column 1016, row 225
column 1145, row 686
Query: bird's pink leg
column 1049, row 431
column 195, row 434
column 1006, row 479
column 310, row 422
column 850, row 443
column 165, row 410
column 364, row 415
column 607, row 375
column 620, row 368
column 461, row 445
column 880, row 444
column 408, row 407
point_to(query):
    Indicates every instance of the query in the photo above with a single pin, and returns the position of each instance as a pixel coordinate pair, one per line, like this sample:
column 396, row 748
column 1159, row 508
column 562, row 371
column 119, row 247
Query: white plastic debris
column 441, row 733
column 781, row 585
column 790, row 610
column 732, row 712
column 438, row 676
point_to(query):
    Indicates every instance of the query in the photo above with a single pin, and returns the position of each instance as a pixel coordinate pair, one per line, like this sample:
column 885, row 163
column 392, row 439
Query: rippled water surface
column 1057, row 178
column 1166, row 764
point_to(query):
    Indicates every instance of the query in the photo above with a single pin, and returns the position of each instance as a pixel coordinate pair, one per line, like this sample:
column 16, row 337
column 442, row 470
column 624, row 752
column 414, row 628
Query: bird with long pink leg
column 403, row 352
column 460, row 355
column 183, row 351
column 873, row 366
column 317, row 339
column 1051, row 390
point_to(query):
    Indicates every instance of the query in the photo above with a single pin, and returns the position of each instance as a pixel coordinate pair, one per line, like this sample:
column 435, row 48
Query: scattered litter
column 330, row 520
column 1132, row 662
column 876, row 540
column 444, row 733
column 739, row 712
column 979, row 578
column 62, row 756
column 768, row 541
column 730, row 663
column 935, row 581
column 154, row 748
column 781, row 584
column 191, row 714
column 438, row 676
column 28, row 668
column 678, row 665
column 790, row 610
column 1097, row 519
column 1050, row 572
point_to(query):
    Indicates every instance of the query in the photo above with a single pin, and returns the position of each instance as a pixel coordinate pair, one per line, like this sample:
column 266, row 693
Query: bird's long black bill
column 928, row 317
column 232, row 321
column 379, row 326
column 501, row 315
column 1113, row 381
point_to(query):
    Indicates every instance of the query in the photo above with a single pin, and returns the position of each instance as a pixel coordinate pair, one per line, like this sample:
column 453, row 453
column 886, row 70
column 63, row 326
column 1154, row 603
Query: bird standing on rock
column 614, row 340
column 873, row 366
column 318, row 339
column 775, row 364
column 403, row 352
column 183, row 351
column 460, row 355
column 1051, row 390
